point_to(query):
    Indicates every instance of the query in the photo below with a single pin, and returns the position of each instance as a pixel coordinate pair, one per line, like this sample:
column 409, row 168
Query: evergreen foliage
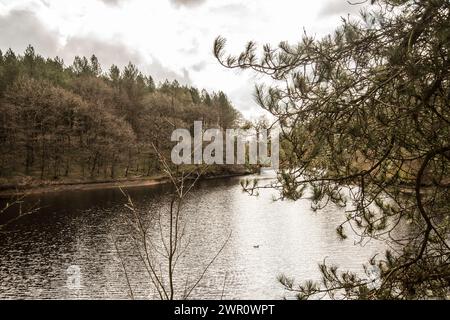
column 365, row 121
column 79, row 121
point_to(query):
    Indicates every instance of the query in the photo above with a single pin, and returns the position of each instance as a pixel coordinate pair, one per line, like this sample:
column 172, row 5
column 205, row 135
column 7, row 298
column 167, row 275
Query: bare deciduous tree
column 161, row 252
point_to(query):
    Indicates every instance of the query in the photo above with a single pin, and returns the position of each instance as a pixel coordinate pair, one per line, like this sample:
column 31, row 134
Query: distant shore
column 59, row 186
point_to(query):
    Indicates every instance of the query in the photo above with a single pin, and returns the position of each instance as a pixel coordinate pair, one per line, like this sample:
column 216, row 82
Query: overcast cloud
column 166, row 38
column 340, row 8
column 187, row 3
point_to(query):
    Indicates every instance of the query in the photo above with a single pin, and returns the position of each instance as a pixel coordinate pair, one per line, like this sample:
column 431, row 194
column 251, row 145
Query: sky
column 170, row 39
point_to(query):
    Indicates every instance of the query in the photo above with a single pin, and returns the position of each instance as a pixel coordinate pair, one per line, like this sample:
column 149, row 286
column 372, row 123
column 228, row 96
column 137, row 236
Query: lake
column 78, row 229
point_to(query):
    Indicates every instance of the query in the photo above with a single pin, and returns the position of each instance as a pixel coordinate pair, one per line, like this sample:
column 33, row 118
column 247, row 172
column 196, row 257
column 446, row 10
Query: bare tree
column 161, row 255
column 16, row 203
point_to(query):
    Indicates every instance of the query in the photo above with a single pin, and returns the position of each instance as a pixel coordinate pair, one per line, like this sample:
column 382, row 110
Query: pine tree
column 366, row 109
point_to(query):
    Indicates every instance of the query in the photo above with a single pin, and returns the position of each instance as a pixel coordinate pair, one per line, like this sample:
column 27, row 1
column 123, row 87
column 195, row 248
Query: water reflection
column 268, row 239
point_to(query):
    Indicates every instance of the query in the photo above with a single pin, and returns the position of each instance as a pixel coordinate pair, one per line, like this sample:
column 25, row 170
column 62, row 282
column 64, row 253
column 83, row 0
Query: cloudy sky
column 166, row 38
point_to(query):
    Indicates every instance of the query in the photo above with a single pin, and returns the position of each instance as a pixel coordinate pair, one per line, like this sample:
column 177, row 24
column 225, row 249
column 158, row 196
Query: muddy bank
column 11, row 190
column 7, row 191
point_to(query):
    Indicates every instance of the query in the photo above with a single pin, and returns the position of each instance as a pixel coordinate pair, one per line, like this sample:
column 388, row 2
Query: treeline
column 80, row 121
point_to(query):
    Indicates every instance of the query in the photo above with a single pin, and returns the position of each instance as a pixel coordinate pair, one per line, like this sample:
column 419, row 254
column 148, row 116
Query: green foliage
column 79, row 122
column 365, row 119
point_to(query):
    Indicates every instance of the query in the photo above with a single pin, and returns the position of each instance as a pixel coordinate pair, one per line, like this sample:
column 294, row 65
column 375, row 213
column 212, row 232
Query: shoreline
column 98, row 185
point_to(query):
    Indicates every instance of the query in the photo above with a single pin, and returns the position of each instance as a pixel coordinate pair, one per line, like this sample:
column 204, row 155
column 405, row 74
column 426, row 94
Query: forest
column 63, row 122
column 357, row 209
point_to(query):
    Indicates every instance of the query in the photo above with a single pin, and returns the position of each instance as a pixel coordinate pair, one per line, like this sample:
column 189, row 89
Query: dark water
column 77, row 229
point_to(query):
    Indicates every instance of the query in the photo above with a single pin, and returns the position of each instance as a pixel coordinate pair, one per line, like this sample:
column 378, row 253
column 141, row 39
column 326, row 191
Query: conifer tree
column 365, row 122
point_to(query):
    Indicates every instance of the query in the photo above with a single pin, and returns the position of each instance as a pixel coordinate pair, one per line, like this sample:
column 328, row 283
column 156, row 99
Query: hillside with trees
column 63, row 122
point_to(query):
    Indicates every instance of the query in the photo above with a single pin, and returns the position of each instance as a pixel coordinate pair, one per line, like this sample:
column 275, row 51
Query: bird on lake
column 256, row 247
